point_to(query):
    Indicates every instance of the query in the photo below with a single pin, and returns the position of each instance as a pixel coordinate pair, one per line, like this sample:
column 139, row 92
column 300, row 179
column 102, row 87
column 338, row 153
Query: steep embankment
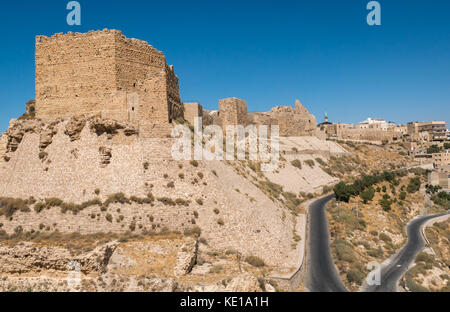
column 102, row 177
column 97, row 177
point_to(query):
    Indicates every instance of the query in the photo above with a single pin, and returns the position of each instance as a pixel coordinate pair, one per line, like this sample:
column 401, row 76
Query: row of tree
column 364, row 187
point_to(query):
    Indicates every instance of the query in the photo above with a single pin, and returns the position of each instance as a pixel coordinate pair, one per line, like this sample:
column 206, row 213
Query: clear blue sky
column 266, row 52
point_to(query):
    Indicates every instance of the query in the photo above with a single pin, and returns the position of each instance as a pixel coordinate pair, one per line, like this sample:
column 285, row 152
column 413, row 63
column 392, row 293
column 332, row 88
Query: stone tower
column 103, row 72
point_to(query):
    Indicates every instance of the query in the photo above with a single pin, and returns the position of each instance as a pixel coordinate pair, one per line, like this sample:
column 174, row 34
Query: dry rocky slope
column 372, row 226
column 431, row 270
column 98, row 180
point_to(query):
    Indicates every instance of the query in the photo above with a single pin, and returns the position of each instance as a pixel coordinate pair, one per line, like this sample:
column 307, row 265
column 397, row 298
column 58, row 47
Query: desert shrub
column 199, row 201
column 414, row 185
column 310, row 163
column 109, row 218
column 425, row 257
column 43, row 155
column 194, row 163
column 53, row 202
column 97, row 191
column 214, row 172
column 376, row 253
column 196, row 214
column 442, row 199
column 320, row 161
column 296, row 163
column 274, row 190
column 171, row 184
column 132, row 226
column 385, row 238
column 167, row 201
column 220, row 222
column 182, row 202
column 385, row 204
column 197, row 231
column 402, row 196
column 181, row 175
column 216, row 269
column 200, row 175
column 343, row 250
column 151, row 197
column 216, row 211
column 255, row 261
column 9, row 206
column 355, row 276
column 117, row 198
column 326, row 189
column 292, row 201
column 146, row 165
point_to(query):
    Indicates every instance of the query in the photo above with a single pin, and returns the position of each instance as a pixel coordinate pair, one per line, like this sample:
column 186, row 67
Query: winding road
column 398, row 265
column 322, row 274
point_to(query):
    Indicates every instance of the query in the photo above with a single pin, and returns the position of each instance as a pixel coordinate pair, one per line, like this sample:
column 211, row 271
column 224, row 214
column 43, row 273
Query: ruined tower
column 103, row 72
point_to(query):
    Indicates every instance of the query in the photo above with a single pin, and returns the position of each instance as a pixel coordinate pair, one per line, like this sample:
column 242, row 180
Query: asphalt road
column 322, row 273
column 398, row 266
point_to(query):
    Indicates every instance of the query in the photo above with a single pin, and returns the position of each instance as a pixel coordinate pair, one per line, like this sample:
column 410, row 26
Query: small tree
column 367, row 195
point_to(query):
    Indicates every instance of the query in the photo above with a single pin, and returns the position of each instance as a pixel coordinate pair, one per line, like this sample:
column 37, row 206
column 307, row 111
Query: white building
column 374, row 123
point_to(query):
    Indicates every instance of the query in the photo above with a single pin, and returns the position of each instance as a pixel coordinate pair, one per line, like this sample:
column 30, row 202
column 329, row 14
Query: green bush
column 255, row 261
column 402, row 196
column 310, row 163
column 414, row 185
column 355, row 276
column 433, row 149
column 367, row 195
column 385, row 204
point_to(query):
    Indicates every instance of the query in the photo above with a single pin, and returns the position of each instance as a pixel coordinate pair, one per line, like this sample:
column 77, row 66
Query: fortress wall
column 74, row 73
column 173, row 94
column 81, row 74
column 366, row 134
column 192, row 110
column 233, row 111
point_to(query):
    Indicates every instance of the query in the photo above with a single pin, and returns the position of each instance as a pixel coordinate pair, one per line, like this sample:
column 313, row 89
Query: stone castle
column 104, row 73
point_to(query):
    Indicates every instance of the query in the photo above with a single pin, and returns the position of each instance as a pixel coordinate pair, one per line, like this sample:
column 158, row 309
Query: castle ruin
column 103, row 72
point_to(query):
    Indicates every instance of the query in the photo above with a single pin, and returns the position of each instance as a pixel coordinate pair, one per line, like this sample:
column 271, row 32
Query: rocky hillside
column 89, row 176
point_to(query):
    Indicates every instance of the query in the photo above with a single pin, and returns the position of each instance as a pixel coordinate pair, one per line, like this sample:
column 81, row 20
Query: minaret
column 326, row 117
